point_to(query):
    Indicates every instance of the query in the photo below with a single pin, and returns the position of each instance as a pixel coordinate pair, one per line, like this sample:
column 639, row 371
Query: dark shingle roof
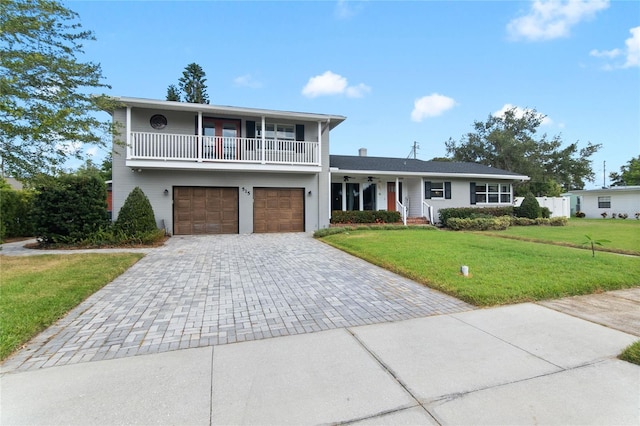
column 408, row 165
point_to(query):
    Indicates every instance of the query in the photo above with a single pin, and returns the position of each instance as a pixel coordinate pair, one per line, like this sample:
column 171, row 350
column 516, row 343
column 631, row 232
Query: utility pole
column 604, row 174
column 414, row 150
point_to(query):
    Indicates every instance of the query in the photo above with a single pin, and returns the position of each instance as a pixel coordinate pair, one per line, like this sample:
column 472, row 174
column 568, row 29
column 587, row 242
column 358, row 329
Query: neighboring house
column 216, row 169
column 210, row 169
column 417, row 188
column 617, row 199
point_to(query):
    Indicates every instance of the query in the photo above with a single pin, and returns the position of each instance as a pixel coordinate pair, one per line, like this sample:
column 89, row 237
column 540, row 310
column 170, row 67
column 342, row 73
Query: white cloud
column 606, row 53
column 347, row 9
column 247, row 80
column 357, row 91
column 519, row 113
column 431, row 106
column 550, row 19
column 330, row 83
column 631, row 52
column 91, row 152
column 633, row 48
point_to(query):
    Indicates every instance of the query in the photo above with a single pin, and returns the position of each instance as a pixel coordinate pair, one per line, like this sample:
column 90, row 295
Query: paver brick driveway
column 211, row 290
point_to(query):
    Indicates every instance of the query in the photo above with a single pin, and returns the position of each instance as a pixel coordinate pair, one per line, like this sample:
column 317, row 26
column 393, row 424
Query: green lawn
column 623, row 234
column 36, row 291
column 501, row 270
column 631, row 353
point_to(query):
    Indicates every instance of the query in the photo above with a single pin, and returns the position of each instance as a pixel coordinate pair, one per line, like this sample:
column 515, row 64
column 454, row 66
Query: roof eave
column 520, row 178
column 333, row 120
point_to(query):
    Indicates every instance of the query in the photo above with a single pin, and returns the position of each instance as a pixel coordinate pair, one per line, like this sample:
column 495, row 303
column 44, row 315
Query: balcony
column 217, row 152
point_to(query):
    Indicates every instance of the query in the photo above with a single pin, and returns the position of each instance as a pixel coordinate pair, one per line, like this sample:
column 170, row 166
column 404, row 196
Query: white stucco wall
column 153, row 182
column 622, row 201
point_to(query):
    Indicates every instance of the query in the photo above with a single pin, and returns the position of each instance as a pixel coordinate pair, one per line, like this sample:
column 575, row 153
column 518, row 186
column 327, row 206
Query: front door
column 221, row 141
column 392, row 197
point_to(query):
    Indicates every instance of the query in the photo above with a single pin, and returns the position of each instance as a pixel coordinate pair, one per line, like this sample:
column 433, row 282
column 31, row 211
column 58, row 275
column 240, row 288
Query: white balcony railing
column 162, row 146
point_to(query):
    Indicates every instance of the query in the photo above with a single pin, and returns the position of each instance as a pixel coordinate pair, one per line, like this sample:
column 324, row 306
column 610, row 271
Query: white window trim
column 500, row 193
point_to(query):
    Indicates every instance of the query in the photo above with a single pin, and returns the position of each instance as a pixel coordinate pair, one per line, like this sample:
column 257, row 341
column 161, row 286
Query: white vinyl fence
column 559, row 206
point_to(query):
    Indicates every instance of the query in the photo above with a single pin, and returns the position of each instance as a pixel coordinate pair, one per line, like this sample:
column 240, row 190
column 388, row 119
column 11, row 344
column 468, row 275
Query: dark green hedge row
column 70, row 208
column 15, row 213
column 368, row 216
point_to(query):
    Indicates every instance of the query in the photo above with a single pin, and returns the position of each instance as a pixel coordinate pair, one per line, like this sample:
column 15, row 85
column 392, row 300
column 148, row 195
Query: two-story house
column 210, row 169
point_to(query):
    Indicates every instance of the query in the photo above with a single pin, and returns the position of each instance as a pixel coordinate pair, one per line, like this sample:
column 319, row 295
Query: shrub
column 367, row 216
column 529, row 208
column 136, row 215
column 473, row 213
column 580, row 214
column 559, row 221
column 15, row 213
column 545, row 212
column 69, row 208
column 479, row 224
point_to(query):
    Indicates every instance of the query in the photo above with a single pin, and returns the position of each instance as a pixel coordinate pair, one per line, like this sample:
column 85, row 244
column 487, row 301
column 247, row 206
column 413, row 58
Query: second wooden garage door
column 205, row 210
column 278, row 210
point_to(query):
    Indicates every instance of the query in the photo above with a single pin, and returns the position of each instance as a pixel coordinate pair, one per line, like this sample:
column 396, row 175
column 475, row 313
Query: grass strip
column 631, row 353
column 36, row 291
column 624, row 235
column 502, row 271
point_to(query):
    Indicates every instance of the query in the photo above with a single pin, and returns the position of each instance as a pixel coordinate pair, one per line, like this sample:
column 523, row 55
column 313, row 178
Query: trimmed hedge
column 136, row 215
column 502, row 223
column 367, row 216
column 15, row 213
column 69, row 209
column 473, row 213
column 479, row 224
column 529, row 208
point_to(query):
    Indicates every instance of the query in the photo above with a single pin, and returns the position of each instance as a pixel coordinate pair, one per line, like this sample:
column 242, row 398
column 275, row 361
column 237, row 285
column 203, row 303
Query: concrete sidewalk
column 519, row 364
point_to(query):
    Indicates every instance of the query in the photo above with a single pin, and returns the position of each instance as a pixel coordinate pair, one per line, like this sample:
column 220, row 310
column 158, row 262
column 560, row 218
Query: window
column 353, row 196
column 490, row 193
column 369, row 196
column 604, row 202
column 277, row 131
column 437, row 190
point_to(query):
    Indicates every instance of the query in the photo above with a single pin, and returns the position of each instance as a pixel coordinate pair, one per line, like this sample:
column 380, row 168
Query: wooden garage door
column 278, row 210
column 205, row 210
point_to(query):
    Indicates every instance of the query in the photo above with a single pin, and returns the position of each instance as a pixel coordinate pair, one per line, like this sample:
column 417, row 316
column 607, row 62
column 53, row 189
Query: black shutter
column 251, row 129
column 447, row 190
column 299, row 132
column 427, row 190
column 473, row 192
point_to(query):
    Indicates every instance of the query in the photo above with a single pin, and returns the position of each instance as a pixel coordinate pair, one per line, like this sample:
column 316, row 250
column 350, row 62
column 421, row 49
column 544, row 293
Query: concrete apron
column 519, row 364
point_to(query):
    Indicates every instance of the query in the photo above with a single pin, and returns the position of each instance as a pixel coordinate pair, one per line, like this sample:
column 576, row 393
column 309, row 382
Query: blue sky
column 399, row 71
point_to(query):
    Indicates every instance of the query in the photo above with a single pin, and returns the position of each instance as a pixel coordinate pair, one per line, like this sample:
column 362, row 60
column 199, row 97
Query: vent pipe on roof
column 362, row 152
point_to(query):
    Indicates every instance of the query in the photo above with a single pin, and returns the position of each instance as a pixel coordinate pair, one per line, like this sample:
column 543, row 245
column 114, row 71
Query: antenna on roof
column 414, row 150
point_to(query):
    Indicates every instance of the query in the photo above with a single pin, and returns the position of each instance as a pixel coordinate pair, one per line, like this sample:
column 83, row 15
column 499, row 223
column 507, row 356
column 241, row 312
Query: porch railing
column 427, row 211
column 403, row 211
column 163, row 146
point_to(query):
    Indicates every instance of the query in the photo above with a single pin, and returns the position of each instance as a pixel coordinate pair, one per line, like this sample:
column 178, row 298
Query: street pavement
column 352, row 344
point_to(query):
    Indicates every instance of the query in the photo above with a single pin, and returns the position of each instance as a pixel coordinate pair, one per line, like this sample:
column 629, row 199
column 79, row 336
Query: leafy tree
column 629, row 174
column 509, row 142
column 46, row 113
column 136, row 215
column 173, row 94
column 192, row 84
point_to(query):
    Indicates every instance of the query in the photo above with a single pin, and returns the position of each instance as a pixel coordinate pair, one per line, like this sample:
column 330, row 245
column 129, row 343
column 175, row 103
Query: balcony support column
column 262, row 136
column 319, row 159
column 200, row 141
column 128, row 132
